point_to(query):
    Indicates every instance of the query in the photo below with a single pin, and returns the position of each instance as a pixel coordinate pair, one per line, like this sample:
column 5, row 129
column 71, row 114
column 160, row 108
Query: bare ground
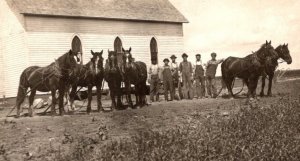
column 39, row 137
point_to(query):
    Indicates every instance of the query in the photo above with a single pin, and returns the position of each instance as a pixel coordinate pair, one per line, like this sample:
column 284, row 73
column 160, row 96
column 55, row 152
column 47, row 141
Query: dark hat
column 213, row 54
column 166, row 60
column 173, row 56
column 198, row 55
column 184, row 55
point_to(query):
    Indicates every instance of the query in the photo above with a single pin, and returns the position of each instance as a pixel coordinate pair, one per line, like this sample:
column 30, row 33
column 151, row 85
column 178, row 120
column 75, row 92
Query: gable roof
column 142, row 10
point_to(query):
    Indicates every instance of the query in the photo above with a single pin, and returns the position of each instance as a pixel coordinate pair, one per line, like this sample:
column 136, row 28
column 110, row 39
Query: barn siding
column 103, row 27
column 44, row 47
column 13, row 53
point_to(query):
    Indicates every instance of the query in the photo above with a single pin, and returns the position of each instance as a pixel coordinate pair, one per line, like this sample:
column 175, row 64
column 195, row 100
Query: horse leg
column 61, row 92
column 253, row 85
column 263, row 79
column 90, row 96
column 112, row 95
column 72, row 96
column 99, row 94
column 31, row 99
column 119, row 93
column 228, row 82
column 128, row 93
column 20, row 98
column 53, row 94
column 270, row 84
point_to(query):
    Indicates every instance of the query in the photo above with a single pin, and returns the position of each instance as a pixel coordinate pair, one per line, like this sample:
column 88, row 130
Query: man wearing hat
column 153, row 80
column 186, row 70
column 199, row 77
column 175, row 75
column 167, row 80
column 211, row 69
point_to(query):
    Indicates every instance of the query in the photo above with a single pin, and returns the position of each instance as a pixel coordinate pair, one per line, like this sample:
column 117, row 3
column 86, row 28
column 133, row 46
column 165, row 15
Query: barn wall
column 103, row 27
column 44, row 47
column 13, row 53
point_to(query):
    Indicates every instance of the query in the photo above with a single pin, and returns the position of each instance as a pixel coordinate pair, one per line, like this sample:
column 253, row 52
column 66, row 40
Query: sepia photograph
column 149, row 80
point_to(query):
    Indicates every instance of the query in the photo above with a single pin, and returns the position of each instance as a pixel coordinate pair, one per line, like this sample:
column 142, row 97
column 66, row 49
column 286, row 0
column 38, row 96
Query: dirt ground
column 38, row 137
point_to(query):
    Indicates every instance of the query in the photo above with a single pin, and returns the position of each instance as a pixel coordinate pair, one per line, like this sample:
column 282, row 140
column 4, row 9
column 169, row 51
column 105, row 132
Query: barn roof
column 143, row 10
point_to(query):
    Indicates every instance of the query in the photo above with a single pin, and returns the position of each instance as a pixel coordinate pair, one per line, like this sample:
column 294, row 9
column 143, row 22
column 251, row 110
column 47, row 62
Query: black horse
column 136, row 74
column 113, row 76
column 248, row 68
column 271, row 65
column 89, row 75
column 53, row 77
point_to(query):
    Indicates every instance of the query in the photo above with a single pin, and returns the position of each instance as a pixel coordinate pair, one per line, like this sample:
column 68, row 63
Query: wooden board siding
column 44, row 47
column 103, row 27
column 13, row 51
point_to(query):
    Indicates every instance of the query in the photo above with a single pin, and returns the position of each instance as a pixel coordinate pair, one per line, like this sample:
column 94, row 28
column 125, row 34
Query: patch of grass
column 266, row 132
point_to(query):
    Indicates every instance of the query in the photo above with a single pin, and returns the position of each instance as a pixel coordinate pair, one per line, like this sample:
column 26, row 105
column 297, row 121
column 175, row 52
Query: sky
column 238, row 27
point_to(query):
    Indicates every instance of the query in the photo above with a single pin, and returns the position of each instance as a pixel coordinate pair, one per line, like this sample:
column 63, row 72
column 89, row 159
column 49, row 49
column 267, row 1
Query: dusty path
column 41, row 135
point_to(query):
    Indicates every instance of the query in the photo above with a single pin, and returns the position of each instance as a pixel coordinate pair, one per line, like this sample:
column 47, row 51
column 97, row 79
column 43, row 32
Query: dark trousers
column 168, row 87
column 154, row 87
column 200, row 86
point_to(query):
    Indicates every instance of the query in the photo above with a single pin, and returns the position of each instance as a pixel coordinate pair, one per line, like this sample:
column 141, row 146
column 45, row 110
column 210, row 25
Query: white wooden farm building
column 35, row 32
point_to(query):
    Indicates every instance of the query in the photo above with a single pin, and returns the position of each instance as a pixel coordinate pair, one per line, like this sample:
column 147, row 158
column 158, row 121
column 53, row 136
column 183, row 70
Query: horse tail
column 22, row 89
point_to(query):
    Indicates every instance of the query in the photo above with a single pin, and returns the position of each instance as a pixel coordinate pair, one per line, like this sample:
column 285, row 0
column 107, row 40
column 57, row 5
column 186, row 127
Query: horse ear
column 70, row 52
column 123, row 49
column 101, row 52
column 130, row 49
column 287, row 44
column 270, row 42
column 266, row 42
column 92, row 52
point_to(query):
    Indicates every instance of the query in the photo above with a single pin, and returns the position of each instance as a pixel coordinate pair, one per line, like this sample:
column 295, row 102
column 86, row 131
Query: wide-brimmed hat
column 184, row 55
column 198, row 55
column 213, row 54
column 166, row 60
column 173, row 56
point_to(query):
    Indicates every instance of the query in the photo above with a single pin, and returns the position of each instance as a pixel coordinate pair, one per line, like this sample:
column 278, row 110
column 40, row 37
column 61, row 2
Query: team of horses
column 120, row 68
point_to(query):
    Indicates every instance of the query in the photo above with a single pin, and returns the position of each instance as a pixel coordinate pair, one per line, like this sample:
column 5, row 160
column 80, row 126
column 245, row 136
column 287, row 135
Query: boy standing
column 167, row 80
column 199, row 77
column 211, row 69
column 154, row 80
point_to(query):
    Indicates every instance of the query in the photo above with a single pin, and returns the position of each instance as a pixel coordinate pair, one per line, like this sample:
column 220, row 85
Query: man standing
column 211, row 69
column 167, row 80
column 186, row 70
column 175, row 75
column 154, row 80
column 199, row 77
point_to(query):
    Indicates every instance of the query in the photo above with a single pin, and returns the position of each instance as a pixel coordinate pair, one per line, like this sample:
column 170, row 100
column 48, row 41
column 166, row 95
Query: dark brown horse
column 248, row 68
column 89, row 75
column 113, row 76
column 53, row 77
column 271, row 65
column 136, row 74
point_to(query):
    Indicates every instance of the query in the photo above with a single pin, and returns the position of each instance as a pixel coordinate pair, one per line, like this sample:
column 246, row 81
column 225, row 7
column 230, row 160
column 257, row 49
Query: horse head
column 67, row 62
column 127, row 58
column 97, row 62
column 112, row 60
column 284, row 53
column 266, row 51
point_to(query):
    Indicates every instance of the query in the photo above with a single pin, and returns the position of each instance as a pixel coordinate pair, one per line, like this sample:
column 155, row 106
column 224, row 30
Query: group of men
column 171, row 75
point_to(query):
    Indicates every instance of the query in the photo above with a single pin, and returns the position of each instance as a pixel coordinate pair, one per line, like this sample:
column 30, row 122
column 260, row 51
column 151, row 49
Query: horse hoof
column 262, row 94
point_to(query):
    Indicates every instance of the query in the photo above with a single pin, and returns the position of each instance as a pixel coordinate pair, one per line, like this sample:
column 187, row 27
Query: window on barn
column 118, row 45
column 76, row 46
column 153, row 49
